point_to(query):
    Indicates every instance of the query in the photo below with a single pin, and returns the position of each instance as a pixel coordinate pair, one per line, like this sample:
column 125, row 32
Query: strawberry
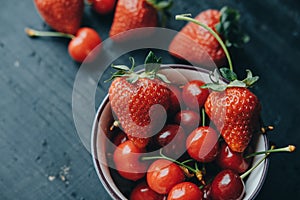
column 61, row 15
column 198, row 45
column 235, row 111
column 132, row 14
column 134, row 99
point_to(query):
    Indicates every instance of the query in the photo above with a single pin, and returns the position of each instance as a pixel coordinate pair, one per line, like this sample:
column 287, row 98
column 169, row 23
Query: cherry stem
column 35, row 33
column 267, row 128
column 187, row 161
column 162, row 156
column 244, row 175
column 115, row 124
column 203, row 117
column 186, row 17
column 289, row 148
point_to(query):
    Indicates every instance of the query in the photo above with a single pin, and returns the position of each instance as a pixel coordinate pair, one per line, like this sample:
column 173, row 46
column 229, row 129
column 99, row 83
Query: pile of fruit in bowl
column 180, row 132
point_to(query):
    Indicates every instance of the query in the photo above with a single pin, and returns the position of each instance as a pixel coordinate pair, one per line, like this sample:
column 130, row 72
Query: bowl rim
column 94, row 136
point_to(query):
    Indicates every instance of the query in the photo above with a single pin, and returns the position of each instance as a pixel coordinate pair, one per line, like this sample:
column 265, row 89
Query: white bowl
column 103, row 120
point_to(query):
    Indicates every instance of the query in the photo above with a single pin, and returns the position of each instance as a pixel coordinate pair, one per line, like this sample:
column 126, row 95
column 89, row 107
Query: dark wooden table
column 41, row 154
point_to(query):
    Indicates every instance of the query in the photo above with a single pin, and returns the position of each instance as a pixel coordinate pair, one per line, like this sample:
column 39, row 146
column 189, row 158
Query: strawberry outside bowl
column 102, row 147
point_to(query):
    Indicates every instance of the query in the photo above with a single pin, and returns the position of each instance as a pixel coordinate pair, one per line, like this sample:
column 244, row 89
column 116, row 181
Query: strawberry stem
column 289, row 148
column 244, row 175
column 186, row 17
column 35, row 33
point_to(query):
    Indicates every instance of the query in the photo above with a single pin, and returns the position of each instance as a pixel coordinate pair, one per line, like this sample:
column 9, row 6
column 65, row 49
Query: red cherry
column 143, row 192
column 193, row 95
column 119, row 138
column 185, row 191
column 175, row 99
column 228, row 159
column 81, row 45
column 127, row 161
column 227, row 185
column 103, row 7
column 170, row 138
column 85, row 41
column 207, row 192
column 202, row 144
column 162, row 175
column 188, row 119
column 139, row 142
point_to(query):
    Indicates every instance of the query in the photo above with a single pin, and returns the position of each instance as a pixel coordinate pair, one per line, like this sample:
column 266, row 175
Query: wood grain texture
column 41, row 154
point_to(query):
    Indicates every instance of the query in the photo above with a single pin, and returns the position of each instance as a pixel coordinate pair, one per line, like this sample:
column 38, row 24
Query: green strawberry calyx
column 162, row 6
column 229, row 28
column 152, row 65
column 231, row 77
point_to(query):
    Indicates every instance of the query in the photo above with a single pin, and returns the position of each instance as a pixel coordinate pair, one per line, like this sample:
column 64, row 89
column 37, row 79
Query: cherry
column 120, row 138
column 186, row 168
column 193, row 95
column 143, row 192
column 228, row 159
column 188, row 119
column 170, row 138
column 175, row 99
column 185, row 191
column 202, row 144
column 103, row 7
column 127, row 161
column 81, row 45
column 163, row 174
column 227, row 185
column 207, row 192
column 139, row 142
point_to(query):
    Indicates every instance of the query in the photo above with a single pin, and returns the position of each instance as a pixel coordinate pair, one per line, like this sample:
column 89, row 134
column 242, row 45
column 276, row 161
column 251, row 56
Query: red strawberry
column 235, row 112
column 134, row 99
column 132, row 14
column 62, row 15
column 197, row 45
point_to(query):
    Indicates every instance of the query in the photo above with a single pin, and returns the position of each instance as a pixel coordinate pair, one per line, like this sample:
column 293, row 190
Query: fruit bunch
column 163, row 140
column 65, row 17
